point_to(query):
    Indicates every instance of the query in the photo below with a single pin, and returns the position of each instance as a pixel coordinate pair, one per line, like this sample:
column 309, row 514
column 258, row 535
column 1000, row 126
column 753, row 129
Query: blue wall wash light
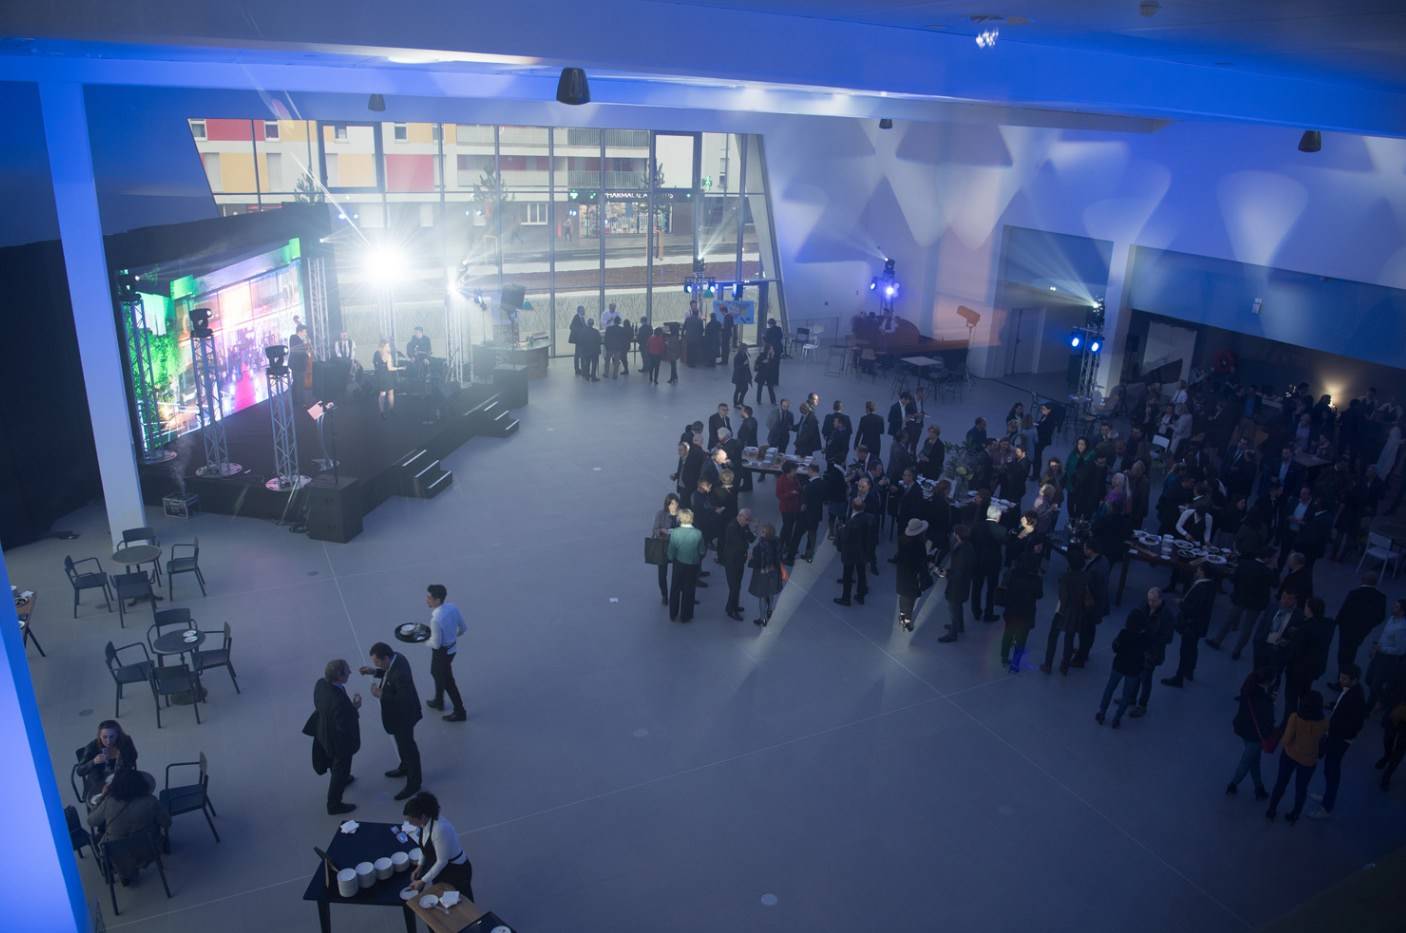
column 1095, row 346
column 1076, row 340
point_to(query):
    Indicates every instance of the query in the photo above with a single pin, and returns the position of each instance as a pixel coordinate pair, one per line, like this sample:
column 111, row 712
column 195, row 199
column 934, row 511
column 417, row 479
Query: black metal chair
column 173, row 680
column 77, row 835
column 188, row 798
column 145, row 535
column 87, row 580
column 189, row 564
column 134, row 586
column 76, row 783
column 124, row 673
column 218, row 657
column 167, row 620
column 138, row 849
column 27, row 623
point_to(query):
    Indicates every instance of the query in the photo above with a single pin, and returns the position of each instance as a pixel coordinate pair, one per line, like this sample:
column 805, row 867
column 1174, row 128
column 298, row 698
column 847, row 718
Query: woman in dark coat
column 1253, row 723
column 768, row 369
column 912, row 578
column 111, row 751
column 766, row 573
column 1069, row 615
column 1024, row 587
column 741, row 376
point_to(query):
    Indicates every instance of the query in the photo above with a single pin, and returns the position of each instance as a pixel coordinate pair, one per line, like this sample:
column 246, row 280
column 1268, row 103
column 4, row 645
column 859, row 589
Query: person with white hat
column 913, row 578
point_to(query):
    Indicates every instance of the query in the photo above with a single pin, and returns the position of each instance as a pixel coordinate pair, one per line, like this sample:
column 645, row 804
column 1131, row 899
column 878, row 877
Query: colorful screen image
column 255, row 303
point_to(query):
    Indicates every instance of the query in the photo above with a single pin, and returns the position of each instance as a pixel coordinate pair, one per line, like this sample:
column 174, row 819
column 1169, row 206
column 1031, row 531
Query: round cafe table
column 138, row 555
column 174, row 643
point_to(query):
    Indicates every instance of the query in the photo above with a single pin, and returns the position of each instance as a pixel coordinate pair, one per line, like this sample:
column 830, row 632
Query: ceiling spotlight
column 572, row 87
column 1310, row 141
column 200, row 322
column 1075, row 339
column 377, row 104
column 1095, row 346
column 885, row 124
column 986, row 39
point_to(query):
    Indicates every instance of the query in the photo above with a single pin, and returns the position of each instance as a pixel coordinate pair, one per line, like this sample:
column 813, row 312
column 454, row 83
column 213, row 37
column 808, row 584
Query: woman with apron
column 444, row 861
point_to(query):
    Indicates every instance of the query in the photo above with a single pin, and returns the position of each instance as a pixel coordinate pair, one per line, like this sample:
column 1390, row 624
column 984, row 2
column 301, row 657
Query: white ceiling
column 1365, row 39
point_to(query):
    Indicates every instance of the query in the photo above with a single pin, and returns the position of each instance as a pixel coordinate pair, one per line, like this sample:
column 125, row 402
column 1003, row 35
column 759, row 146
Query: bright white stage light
column 385, row 264
column 986, row 39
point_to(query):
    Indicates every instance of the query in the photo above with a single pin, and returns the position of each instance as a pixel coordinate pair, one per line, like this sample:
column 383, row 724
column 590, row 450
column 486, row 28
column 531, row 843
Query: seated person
column 110, row 752
column 129, row 809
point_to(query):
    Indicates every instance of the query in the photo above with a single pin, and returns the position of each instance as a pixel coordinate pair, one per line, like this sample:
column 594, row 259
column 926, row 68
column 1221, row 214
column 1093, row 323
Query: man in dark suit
column 899, row 413
column 1192, row 622
column 835, row 422
column 746, row 437
column 1284, row 471
column 852, row 540
column 989, row 538
column 400, row 710
column 807, row 432
column 337, row 730
column 1274, row 632
column 736, row 539
column 1345, row 717
column 1363, row 609
column 1044, row 432
column 1298, row 580
column 1250, row 592
column 871, row 430
column 960, row 570
column 715, row 421
column 692, row 468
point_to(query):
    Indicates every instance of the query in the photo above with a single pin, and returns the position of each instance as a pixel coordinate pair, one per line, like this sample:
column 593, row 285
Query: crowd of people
column 694, row 342
column 997, row 527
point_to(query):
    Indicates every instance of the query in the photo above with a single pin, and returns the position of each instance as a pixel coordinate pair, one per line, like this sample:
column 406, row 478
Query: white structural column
column 1116, row 315
column 99, row 346
column 39, row 886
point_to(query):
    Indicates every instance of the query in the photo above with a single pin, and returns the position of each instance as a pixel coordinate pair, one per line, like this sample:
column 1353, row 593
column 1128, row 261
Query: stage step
column 421, row 476
column 503, row 424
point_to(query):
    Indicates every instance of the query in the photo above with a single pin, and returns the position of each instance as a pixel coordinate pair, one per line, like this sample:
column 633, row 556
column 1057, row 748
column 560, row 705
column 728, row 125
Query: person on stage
column 418, row 352
column 384, row 362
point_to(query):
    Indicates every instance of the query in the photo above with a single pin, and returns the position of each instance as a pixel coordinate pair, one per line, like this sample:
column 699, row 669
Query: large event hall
column 673, row 466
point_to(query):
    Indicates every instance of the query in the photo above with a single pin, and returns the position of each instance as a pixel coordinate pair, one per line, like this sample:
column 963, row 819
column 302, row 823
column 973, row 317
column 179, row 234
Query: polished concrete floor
column 621, row 773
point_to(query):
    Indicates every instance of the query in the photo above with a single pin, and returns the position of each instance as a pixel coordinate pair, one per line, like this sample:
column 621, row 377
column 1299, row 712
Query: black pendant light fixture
column 886, row 124
column 1310, row 141
column 377, row 104
column 572, row 87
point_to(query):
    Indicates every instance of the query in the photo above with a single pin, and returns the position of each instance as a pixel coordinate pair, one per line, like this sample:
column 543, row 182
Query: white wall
column 936, row 197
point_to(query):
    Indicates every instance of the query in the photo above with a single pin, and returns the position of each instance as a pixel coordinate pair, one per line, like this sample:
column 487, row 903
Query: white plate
column 1217, row 560
column 428, row 901
column 408, row 893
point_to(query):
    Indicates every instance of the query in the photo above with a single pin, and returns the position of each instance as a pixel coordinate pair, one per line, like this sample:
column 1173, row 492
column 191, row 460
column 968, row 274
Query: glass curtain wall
column 574, row 216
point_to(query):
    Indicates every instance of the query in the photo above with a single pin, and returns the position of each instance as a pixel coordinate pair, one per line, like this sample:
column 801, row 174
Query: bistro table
column 774, row 467
column 922, row 362
column 346, row 850
column 1153, row 556
column 138, row 555
column 464, row 917
column 174, row 643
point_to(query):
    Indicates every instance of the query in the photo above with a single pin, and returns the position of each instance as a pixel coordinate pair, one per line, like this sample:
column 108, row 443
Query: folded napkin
column 350, row 826
column 448, row 899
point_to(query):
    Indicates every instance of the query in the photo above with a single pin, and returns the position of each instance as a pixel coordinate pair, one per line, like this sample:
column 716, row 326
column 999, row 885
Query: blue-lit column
column 39, row 885
column 1116, row 315
column 99, row 348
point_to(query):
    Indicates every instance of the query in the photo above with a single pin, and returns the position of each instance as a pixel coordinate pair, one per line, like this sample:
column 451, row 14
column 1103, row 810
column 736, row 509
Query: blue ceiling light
column 1075, row 340
column 873, row 283
column 1095, row 346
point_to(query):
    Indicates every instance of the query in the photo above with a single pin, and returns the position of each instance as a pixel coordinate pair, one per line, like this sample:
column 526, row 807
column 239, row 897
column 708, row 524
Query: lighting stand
column 143, row 374
column 1087, row 382
column 317, row 308
column 285, row 437
column 385, row 310
column 209, row 403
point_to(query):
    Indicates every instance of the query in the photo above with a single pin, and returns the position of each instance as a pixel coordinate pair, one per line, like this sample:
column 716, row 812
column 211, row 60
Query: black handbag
column 656, row 550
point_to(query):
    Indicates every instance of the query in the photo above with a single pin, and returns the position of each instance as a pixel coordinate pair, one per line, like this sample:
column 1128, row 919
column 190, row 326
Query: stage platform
column 378, row 456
